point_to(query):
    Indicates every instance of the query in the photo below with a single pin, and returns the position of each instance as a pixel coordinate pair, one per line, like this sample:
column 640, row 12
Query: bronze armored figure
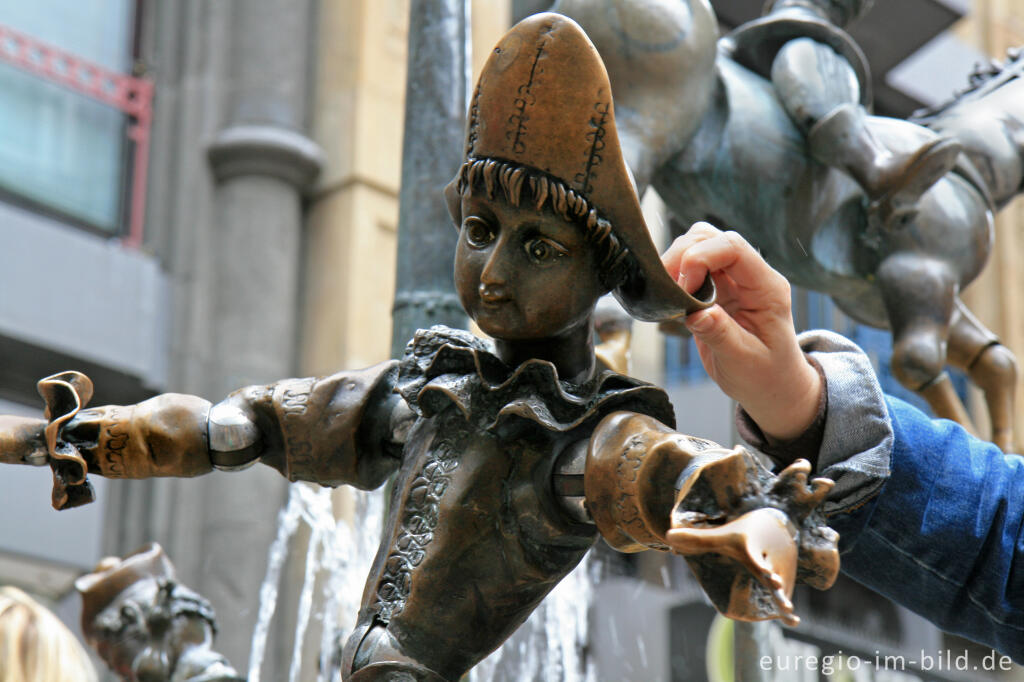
column 509, row 458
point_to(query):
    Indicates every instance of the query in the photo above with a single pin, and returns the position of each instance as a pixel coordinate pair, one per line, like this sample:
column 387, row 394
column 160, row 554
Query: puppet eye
column 543, row 251
column 478, row 233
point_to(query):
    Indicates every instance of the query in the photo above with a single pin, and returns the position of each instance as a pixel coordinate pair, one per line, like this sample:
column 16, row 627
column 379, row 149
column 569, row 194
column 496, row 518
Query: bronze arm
column 747, row 534
column 345, row 428
column 162, row 436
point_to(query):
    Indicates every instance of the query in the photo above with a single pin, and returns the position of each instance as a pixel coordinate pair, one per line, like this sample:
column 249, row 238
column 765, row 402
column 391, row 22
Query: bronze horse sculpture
column 712, row 137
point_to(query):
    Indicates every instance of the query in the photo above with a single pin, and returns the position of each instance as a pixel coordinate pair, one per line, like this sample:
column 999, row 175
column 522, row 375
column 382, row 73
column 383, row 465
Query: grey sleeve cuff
column 783, row 452
column 857, row 442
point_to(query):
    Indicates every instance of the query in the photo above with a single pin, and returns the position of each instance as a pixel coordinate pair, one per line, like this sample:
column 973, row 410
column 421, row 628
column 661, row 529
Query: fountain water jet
column 338, row 557
column 337, row 560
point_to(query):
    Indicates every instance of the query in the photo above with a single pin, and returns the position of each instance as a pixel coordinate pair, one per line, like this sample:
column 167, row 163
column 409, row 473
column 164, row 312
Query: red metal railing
column 133, row 96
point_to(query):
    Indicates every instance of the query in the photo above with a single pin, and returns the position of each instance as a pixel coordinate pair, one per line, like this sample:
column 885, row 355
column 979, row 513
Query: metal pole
column 524, row 8
column 436, row 100
column 751, row 642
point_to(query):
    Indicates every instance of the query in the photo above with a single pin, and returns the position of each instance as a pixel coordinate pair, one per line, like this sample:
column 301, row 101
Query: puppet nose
column 492, row 292
column 494, row 277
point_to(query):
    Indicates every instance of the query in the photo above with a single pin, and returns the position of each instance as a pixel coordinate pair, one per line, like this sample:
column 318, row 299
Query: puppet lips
column 498, row 319
column 496, row 306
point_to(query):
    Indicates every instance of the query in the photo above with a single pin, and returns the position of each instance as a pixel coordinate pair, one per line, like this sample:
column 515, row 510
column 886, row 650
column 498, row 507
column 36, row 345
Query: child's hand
column 746, row 340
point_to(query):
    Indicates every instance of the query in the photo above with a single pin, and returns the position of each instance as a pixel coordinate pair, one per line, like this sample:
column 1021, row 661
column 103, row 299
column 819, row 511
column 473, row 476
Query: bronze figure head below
column 147, row 626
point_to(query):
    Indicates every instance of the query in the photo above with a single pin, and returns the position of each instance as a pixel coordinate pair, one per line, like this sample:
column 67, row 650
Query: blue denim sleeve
column 943, row 536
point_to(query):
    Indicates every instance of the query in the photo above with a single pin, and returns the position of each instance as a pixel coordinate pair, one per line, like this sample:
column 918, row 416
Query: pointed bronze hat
column 544, row 102
column 113, row 577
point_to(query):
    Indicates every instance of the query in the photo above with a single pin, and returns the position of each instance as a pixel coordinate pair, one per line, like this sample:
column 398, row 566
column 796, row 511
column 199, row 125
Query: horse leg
column 918, row 293
column 990, row 366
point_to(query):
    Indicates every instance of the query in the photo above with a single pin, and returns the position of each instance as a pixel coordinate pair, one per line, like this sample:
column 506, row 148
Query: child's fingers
column 721, row 334
column 698, row 232
column 692, row 278
column 729, row 252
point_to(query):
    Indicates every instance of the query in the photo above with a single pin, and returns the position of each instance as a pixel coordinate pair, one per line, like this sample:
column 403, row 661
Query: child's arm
column 749, row 347
column 917, row 501
column 746, row 340
column 785, row 384
column 949, row 521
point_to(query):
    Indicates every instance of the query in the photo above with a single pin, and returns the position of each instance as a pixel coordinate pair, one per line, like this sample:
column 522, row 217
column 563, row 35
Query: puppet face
column 144, row 637
column 523, row 274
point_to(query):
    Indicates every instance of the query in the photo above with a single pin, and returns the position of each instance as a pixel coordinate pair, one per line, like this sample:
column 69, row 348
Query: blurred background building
column 196, row 196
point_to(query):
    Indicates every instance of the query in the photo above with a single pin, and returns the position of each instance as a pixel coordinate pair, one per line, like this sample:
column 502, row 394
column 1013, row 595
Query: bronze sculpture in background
column 765, row 131
column 821, row 78
column 146, row 626
column 511, row 458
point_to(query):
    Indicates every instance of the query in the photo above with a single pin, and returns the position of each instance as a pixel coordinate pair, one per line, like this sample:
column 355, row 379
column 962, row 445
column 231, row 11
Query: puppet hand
column 804, row 496
column 746, row 341
column 22, row 441
column 762, row 541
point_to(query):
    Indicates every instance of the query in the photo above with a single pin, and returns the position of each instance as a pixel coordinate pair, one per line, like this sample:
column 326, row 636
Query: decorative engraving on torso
column 420, row 513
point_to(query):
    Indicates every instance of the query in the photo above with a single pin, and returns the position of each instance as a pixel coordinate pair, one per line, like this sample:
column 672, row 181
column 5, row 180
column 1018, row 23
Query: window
column 60, row 149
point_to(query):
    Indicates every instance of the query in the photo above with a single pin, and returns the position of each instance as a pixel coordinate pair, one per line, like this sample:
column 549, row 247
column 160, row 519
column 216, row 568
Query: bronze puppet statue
column 510, row 458
column 146, row 626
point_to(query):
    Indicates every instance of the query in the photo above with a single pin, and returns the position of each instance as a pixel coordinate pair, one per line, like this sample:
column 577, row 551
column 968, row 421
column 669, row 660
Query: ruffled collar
column 445, row 367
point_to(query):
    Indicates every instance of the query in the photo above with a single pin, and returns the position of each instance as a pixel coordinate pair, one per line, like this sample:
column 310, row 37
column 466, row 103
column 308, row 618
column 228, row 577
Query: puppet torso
column 475, row 537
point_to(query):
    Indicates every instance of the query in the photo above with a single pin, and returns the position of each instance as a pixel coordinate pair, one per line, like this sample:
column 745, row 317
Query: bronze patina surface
column 495, row 498
column 146, row 626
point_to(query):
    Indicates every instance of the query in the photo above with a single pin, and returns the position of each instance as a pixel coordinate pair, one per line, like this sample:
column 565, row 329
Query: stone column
column 262, row 162
column 231, row 162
